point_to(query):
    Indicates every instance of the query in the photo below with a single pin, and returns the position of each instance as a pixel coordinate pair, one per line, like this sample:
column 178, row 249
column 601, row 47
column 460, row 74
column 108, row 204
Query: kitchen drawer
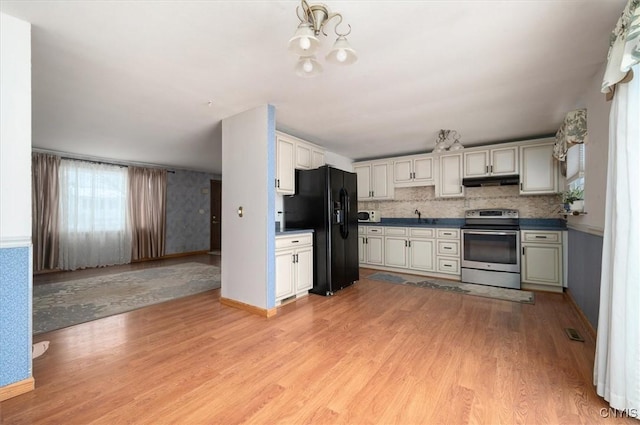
column 395, row 231
column 449, row 234
column 446, row 247
column 294, row 241
column 541, row 236
column 449, row 265
column 418, row 232
column 375, row 230
column 362, row 230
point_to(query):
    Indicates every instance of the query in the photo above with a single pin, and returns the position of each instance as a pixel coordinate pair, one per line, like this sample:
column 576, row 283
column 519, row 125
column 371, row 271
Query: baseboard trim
column 17, row 388
column 585, row 322
column 264, row 312
column 176, row 255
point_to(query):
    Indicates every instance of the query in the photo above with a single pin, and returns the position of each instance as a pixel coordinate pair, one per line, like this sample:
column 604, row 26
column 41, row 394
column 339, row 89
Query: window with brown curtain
column 45, row 193
column 147, row 204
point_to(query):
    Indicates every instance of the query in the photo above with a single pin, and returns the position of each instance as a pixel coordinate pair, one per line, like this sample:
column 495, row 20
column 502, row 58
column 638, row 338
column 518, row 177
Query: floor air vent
column 573, row 334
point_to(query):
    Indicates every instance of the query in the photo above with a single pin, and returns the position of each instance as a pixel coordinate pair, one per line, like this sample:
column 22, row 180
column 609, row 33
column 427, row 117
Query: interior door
column 216, row 209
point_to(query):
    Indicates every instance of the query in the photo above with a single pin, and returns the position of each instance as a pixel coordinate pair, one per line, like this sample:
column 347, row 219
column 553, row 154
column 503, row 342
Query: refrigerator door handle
column 344, row 226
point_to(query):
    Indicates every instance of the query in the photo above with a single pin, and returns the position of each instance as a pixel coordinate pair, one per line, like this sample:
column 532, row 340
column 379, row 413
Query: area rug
column 515, row 295
column 58, row 305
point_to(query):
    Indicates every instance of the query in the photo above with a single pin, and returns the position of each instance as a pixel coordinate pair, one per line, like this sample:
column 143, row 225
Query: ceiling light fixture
column 305, row 42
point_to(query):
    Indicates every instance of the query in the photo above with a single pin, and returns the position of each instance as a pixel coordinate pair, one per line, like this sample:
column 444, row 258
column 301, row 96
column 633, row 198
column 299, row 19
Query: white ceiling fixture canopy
column 305, row 42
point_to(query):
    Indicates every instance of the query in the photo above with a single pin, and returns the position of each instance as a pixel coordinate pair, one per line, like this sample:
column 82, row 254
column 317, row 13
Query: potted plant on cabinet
column 574, row 198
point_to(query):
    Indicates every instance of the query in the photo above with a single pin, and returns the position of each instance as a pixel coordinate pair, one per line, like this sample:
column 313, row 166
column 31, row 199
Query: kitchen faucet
column 419, row 214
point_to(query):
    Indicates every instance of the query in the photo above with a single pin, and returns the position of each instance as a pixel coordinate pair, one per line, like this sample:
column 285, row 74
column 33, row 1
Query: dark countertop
column 413, row 222
column 525, row 223
column 542, row 224
column 287, row 232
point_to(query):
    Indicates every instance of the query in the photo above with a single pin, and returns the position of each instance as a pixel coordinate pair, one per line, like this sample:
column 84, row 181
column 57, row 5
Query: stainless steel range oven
column 491, row 248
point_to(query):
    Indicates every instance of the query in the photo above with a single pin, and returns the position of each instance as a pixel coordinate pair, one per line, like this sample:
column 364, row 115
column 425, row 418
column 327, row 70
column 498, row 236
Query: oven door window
column 491, row 248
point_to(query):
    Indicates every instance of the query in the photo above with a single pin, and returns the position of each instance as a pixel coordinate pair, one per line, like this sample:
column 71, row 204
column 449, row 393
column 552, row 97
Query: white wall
column 596, row 155
column 248, row 242
column 15, row 130
column 15, row 201
column 338, row 161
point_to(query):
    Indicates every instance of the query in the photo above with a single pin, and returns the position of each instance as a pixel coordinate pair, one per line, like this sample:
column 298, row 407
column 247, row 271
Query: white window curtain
column 616, row 371
column 94, row 228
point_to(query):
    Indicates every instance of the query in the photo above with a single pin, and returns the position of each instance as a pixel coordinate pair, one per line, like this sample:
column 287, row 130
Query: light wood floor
column 375, row 353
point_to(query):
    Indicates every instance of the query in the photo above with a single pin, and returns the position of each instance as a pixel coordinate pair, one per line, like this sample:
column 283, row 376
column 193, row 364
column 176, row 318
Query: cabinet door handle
column 523, row 250
column 486, row 168
column 293, row 258
column 491, row 168
column 446, row 247
column 295, row 241
column 405, row 244
column 296, row 258
column 520, row 186
column 541, row 237
column 409, row 244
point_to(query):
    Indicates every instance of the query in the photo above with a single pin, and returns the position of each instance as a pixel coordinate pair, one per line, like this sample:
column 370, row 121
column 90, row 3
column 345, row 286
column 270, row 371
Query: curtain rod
column 94, row 160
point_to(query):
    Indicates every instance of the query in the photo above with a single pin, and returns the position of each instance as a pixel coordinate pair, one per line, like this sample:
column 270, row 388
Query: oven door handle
column 466, row 232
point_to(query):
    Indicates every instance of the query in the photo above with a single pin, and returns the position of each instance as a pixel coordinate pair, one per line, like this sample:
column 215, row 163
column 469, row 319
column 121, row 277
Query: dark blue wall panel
column 585, row 264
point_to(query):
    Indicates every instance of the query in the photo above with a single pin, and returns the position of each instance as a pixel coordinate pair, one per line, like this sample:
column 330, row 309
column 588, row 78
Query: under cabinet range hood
column 491, row 181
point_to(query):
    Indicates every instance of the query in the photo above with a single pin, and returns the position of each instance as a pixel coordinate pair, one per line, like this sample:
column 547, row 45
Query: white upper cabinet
column 374, row 180
column 414, row 170
column 317, row 157
column 285, row 171
column 491, row 162
column 538, row 169
column 449, row 183
column 303, row 156
column 308, row 155
column 291, row 154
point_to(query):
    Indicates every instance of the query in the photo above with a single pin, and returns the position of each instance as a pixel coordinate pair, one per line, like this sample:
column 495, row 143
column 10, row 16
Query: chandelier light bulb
column 305, row 43
column 307, row 66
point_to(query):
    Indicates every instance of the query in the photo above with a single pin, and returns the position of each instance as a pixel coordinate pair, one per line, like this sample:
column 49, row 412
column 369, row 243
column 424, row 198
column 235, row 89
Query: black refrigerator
column 326, row 201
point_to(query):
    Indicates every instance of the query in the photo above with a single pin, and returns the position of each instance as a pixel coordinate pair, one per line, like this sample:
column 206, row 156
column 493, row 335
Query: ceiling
column 150, row 81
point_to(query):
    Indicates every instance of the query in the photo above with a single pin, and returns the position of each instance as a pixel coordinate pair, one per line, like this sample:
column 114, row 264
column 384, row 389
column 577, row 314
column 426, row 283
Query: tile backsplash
column 407, row 200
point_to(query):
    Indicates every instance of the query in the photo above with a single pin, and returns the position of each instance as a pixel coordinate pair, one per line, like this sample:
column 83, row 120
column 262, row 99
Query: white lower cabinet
column 424, row 250
column 371, row 245
column 422, row 254
column 542, row 260
column 448, row 251
column 294, row 265
column 396, row 248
